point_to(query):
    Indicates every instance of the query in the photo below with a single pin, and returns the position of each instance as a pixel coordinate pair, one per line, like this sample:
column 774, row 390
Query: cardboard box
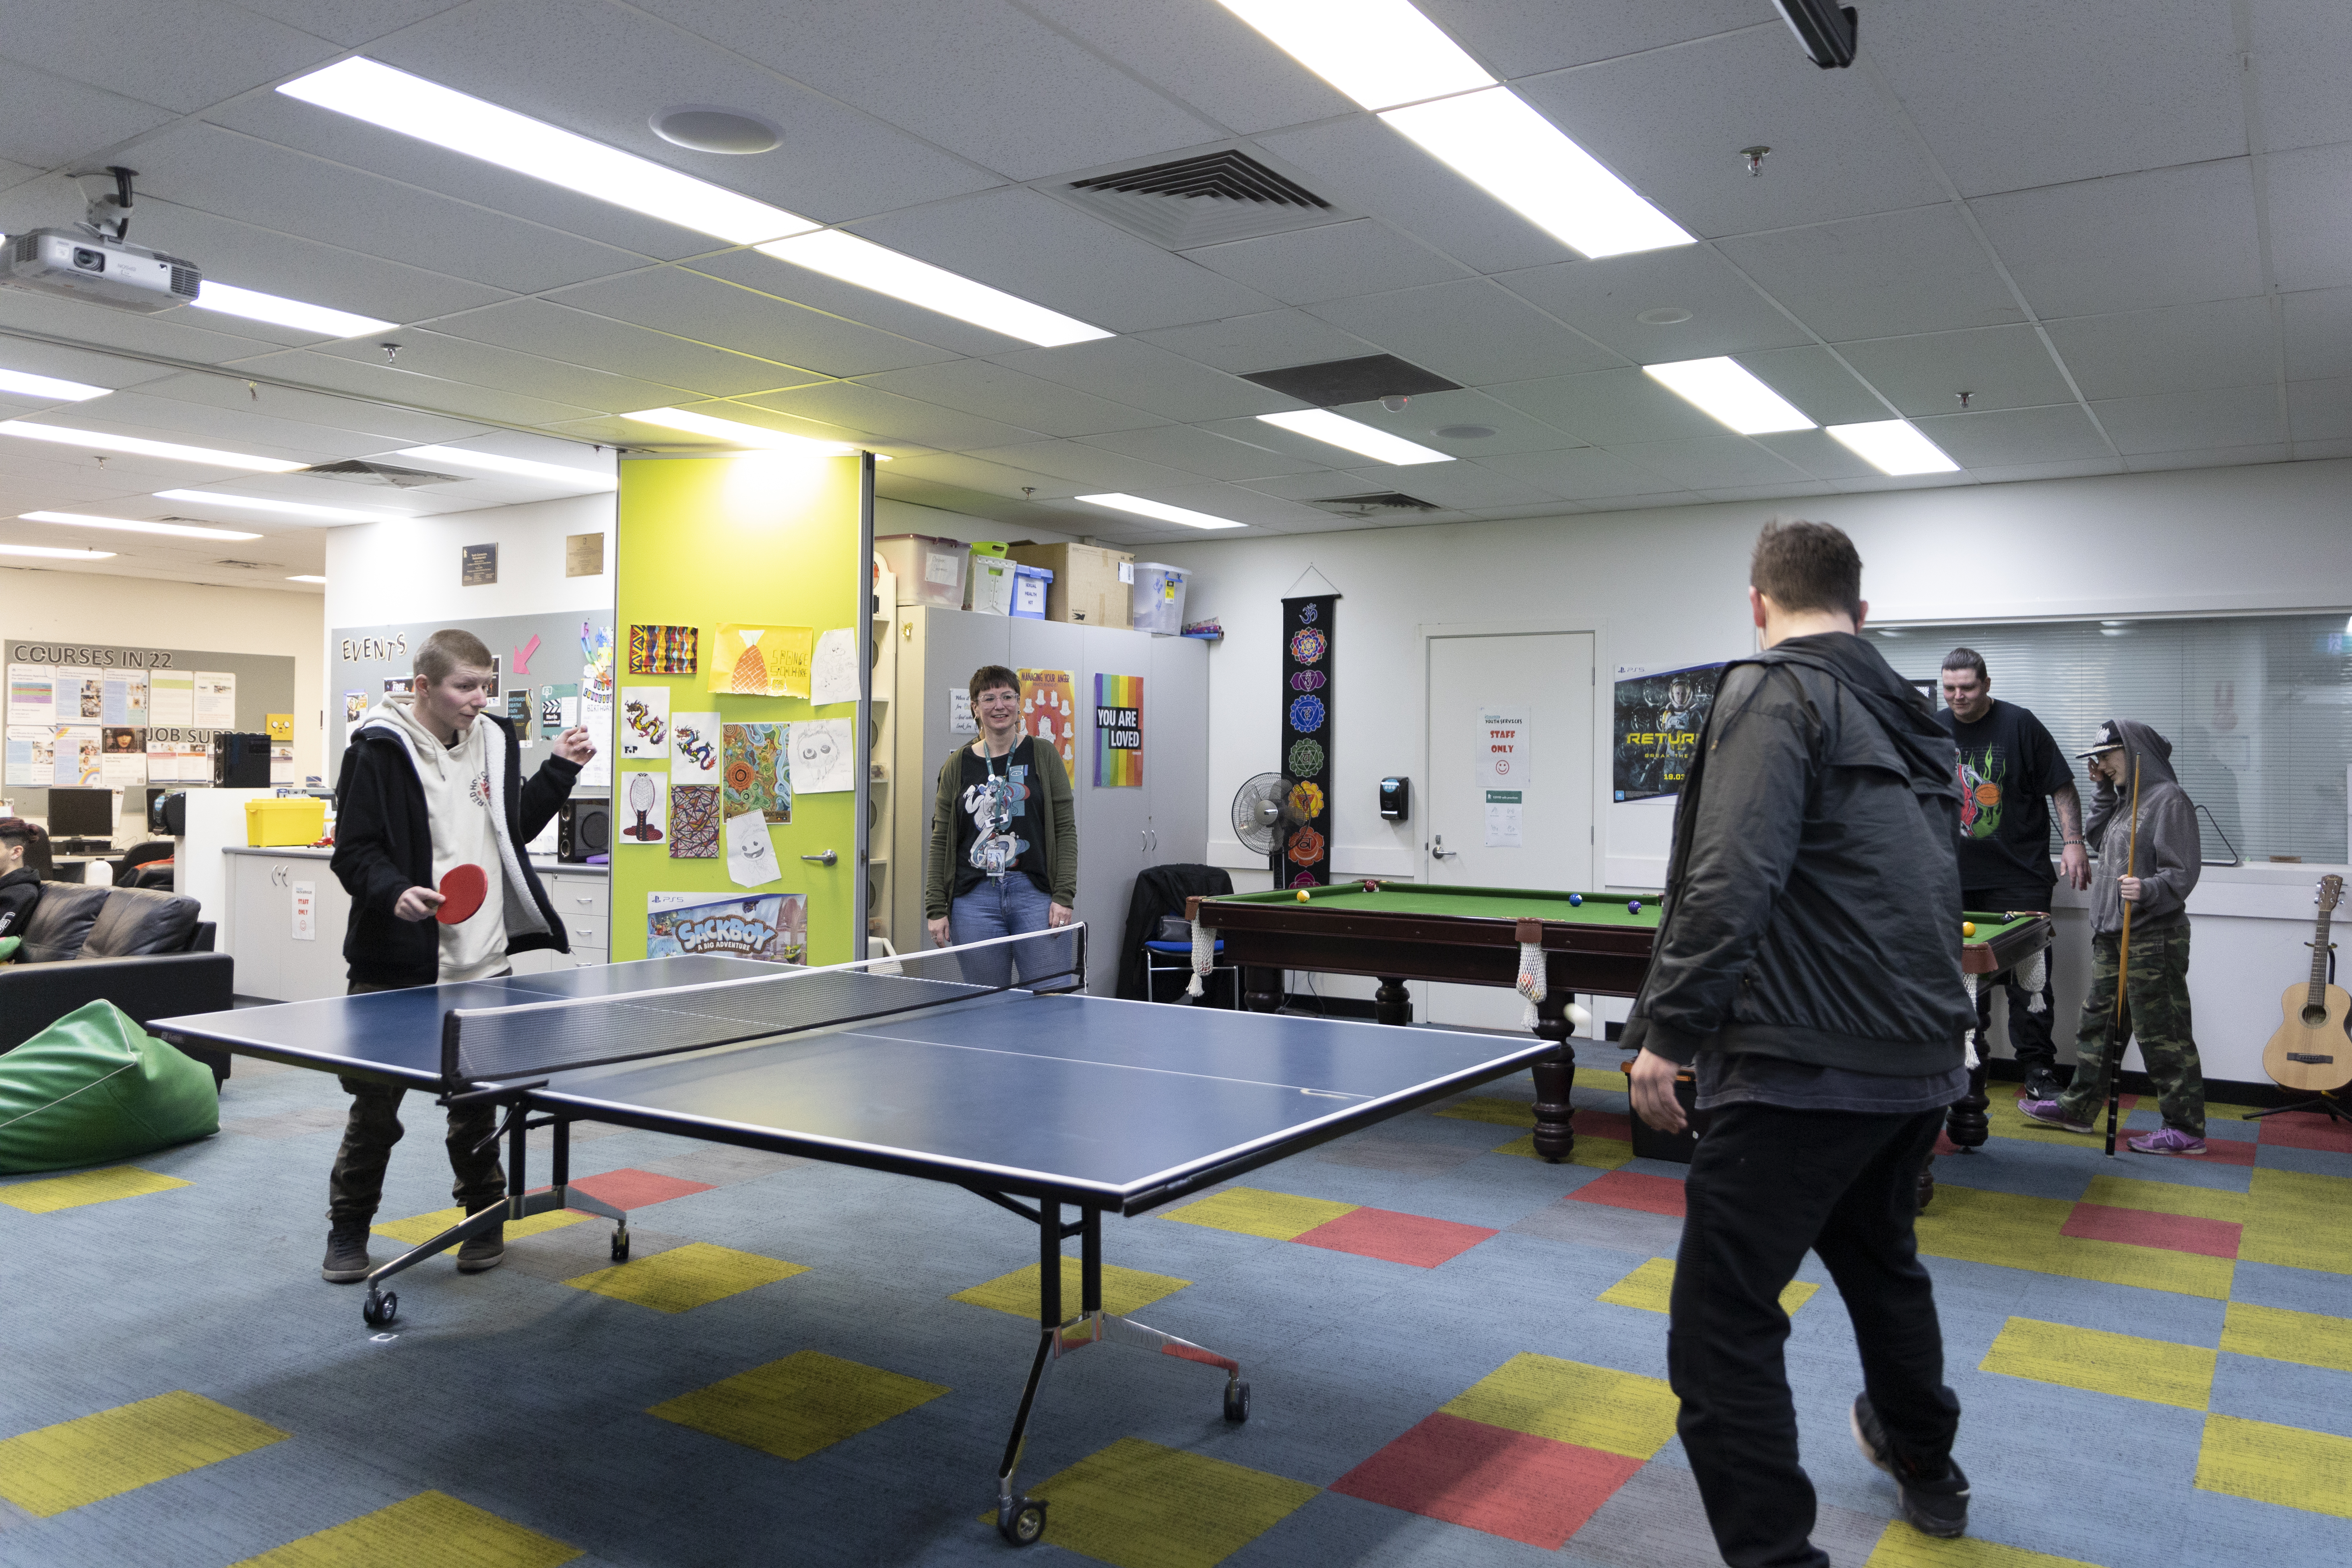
column 1090, row 585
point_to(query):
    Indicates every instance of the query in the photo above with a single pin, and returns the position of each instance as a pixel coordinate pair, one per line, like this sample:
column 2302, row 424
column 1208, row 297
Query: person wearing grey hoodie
column 2147, row 861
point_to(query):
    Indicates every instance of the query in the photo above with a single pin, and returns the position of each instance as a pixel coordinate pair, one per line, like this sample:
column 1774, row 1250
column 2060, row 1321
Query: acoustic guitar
column 2310, row 1052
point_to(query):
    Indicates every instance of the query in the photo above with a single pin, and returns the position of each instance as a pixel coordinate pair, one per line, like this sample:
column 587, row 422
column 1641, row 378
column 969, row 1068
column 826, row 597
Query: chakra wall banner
column 1118, row 731
column 1308, row 632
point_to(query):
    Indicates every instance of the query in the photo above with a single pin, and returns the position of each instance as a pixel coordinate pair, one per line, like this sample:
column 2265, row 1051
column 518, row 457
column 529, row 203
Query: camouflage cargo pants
column 2155, row 1010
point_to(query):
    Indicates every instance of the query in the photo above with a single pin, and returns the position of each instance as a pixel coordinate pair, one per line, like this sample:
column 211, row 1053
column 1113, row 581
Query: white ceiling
column 2124, row 226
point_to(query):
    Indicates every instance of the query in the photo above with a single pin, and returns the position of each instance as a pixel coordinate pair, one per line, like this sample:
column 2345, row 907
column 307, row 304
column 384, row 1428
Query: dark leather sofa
column 142, row 950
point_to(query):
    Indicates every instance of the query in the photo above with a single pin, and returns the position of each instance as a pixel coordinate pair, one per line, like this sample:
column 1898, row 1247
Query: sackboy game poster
column 1659, row 716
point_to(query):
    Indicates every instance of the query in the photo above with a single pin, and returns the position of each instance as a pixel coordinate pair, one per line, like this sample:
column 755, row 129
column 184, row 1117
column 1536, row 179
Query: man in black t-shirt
column 2008, row 765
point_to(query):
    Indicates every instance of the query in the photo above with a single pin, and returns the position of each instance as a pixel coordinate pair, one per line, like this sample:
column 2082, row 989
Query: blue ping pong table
column 905, row 1066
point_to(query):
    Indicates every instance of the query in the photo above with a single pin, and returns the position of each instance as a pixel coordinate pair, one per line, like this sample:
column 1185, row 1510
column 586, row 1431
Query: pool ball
column 1576, row 901
column 1302, row 895
column 1633, row 906
column 1968, row 927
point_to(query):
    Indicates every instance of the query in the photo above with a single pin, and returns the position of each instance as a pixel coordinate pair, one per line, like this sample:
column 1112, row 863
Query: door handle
column 828, row 858
column 1438, row 850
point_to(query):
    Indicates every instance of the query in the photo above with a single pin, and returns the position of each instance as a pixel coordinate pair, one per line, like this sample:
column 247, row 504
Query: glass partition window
column 2258, row 708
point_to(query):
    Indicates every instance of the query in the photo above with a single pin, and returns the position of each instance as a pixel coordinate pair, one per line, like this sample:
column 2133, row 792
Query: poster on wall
column 32, row 696
column 82, row 697
column 758, row 770
column 1502, row 757
column 762, row 661
column 1659, row 714
column 170, row 699
column 694, row 742
column 664, row 650
column 1049, row 710
column 32, row 756
column 80, row 756
column 1308, row 631
column 694, row 821
column 643, row 807
column 832, row 670
column 125, row 760
column 215, row 700
column 822, row 756
column 644, row 724
column 126, row 697
column 1118, row 731
column 771, row 927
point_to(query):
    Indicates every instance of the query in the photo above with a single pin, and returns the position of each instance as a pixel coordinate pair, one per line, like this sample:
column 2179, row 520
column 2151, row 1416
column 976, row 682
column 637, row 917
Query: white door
column 1509, row 795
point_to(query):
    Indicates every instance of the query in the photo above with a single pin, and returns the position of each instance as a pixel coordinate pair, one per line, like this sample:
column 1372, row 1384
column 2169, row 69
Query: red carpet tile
column 628, row 1188
column 1631, row 1190
column 1413, row 1239
column 1603, row 1124
column 2304, row 1130
column 2218, row 1152
column 1944, row 1144
column 1505, row 1483
column 2173, row 1232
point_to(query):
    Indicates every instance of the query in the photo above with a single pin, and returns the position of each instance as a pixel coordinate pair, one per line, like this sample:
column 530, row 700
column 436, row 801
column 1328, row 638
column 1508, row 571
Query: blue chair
column 1176, row 958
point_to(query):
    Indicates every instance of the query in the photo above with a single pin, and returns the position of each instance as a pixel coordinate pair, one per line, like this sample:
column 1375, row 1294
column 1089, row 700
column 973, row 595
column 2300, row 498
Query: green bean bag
column 94, row 1087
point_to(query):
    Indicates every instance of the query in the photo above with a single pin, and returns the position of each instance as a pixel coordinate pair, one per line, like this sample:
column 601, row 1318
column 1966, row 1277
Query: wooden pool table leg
column 1261, row 989
column 1966, row 1124
column 1392, row 1003
column 1554, row 1139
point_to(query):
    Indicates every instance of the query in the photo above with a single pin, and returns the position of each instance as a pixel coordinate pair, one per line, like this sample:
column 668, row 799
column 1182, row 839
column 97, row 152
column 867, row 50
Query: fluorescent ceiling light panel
column 1381, row 53
column 132, row 526
column 47, row 552
column 24, row 384
column 292, row 508
column 1724, row 390
column 168, row 450
column 520, row 468
column 870, row 266
column 740, row 434
column 413, row 106
column 306, row 580
column 1322, row 424
column 1161, row 510
column 1495, row 141
column 1894, row 446
column 297, row 314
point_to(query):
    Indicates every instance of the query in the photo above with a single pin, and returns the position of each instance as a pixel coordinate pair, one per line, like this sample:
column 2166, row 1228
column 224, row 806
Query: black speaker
column 167, row 813
column 584, row 828
column 240, row 761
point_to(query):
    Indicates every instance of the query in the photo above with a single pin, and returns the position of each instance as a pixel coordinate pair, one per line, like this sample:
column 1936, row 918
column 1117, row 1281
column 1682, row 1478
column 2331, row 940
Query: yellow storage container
column 285, row 820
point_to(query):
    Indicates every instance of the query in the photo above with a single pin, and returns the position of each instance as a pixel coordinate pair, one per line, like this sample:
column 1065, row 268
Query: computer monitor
column 81, row 813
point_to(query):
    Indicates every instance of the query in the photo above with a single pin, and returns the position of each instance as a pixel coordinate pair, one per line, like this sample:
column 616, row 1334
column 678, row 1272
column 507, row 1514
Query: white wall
column 407, row 571
column 148, row 613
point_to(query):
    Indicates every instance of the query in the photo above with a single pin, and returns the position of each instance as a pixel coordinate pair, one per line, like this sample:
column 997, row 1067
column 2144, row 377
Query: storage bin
column 992, row 585
column 1032, row 586
column 1157, row 605
column 285, row 820
column 1089, row 587
column 930, row 569
column 991, row 546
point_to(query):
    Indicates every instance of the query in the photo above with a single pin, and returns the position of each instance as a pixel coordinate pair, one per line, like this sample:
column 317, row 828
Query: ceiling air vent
column 352, row 471
column 1202, row 200
column 1333, row 383
column 1381, row 504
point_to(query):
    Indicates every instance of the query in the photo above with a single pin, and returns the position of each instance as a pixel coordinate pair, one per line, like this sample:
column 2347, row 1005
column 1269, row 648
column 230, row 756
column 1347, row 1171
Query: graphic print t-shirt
column 2008, row 766
column 996, row 819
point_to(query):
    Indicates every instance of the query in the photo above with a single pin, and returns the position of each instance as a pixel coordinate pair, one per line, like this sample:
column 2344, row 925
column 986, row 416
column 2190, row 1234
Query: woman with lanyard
column 1004, row 843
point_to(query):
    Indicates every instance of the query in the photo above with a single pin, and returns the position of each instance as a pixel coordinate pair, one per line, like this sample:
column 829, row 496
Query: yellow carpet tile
column 2004, row 1120
column 2167, row 1198
column 2098, row 1362
column 2016, row 1232
column 431, row 1530
column 2282, row 1465
column 1607, row 1080
column 80, row 1461
column 687, row 1277
column 1650, row 1287
column 2298, row 1219
column 1125, row 1290
column 421, row 1228
column 1597, row 1407
column 1137, row 1505
column 1600, row 1154
column 1487, row 1108
column 793, row 1407
column 51, row 1193
column 1255, row 1212
column 2309, row 1339
column 1904, row 1547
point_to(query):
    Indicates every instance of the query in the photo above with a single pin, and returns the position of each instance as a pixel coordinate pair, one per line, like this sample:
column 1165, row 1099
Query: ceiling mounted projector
column 92, row 261
column 1827, row 31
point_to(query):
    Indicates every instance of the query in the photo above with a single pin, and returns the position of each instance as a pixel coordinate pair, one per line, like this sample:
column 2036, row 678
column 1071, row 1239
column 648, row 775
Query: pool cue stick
column 2123, row 965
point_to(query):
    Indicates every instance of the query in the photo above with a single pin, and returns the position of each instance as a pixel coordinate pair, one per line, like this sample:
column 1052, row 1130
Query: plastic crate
column 930, row 569
column 1032, row 586
column 1159, row 602
column 285, row 820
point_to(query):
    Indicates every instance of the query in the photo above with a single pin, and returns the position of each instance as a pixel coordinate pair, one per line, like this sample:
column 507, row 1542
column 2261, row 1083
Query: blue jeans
column 999, row 906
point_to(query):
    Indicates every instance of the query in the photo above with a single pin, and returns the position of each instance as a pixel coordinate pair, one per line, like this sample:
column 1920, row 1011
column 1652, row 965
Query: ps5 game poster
column 1659, row 714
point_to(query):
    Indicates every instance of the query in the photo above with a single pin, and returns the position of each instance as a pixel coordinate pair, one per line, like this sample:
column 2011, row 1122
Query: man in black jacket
column 431, row 782
column 1808, row 968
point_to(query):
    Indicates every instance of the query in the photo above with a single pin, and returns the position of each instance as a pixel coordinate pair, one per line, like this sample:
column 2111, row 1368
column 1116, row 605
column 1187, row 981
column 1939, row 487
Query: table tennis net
column 531, row 1039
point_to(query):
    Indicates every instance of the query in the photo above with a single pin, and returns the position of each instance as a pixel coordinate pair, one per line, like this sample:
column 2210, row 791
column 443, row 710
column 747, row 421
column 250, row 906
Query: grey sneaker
column 487, row 1251
column 2047, row 1113
column 347, row 1254
column 2168, row 1141
column 1938, row 1505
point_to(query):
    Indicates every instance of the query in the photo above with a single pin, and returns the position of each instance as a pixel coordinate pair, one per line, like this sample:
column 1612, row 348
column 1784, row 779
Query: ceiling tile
column 2222, row 343
column 2310, row 196
column 688, row 303
column 1456, row 486
column 179, row 54
column 2014, row 93
column 1812, row 379
column 2174, row 236
column 53, row 123
column 1522, row 37
column 1095, row 467
column 2303, row 57
column 2077, row 468
column 1428, row 412
column 1674, row 122
column 89, row 366
column 390, row 427
column 1999, row 366
column 199, row 337
column 964, row 470
column 1211, row 454
column 2007, row 437
column 1604, row 301
column 2187, row 420
column 886, row 417
column 2318, row 333
column 1130, row 371
column 1202, row 55
column 1047, row 251
column 560, row 331
column 916, row 63
column 348, row 22
column 465, row 380
column 303, row 268
column 2321, row 410
column 1712, row 462
column 857, row 313
column 1885, row 275
column 1580, row 474
column 1304, row 265
column 1609, row 408
column 263, row 426
column 1473, row 331
column 2211, row 457
column 1817, row 452
column 997, row 391
column 1267, row 341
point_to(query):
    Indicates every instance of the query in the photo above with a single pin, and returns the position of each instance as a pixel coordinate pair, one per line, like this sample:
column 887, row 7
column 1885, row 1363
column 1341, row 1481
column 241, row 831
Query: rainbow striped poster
column 1118, row 731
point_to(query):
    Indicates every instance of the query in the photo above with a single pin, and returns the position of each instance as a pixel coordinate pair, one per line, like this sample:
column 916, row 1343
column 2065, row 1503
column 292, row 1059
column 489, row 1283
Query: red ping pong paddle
column 463, row 887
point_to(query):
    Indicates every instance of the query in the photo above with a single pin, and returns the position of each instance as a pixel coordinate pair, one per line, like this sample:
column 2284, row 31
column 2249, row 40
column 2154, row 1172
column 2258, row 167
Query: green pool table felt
column 1463, row 903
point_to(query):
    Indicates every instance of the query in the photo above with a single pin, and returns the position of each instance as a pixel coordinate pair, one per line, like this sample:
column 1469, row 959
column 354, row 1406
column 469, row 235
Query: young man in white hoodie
column 430, row 782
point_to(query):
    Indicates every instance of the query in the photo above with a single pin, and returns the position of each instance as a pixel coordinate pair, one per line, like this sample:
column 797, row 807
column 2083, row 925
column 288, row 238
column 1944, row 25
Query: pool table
column 1396, row 932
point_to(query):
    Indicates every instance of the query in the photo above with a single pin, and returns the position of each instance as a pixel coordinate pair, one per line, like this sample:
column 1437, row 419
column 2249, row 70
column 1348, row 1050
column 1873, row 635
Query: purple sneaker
column 2047, row 1113
column 2169, row 1141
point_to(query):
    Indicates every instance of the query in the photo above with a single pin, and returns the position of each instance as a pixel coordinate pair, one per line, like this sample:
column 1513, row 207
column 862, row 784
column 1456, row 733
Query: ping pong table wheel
column 1021, row 1520
column 621, row 1245
column 380, row 1309
column 1237, row 1401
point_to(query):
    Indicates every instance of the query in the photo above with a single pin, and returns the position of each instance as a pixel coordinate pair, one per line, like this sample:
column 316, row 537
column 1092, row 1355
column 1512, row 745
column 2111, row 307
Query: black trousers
column 355, row 1186
column 1767, row 1184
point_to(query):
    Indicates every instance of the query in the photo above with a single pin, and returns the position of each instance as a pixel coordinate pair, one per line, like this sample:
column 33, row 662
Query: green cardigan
column 1057, row 830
